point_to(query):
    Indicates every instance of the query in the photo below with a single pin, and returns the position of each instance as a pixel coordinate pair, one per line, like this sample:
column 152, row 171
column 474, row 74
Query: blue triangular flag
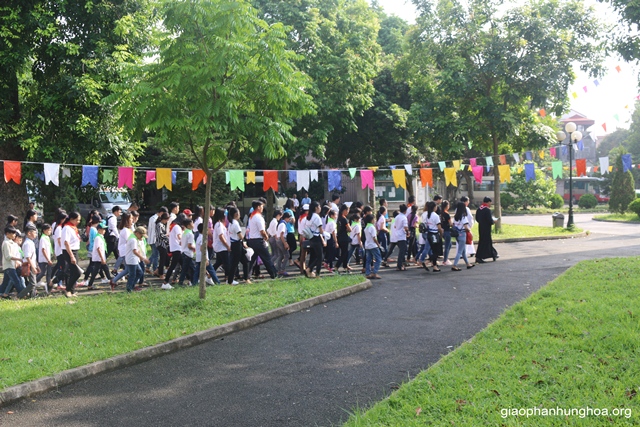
column 528, row 155
column 529, row 172
column 90, row 176
column 292, row 176
column 335, row 180
column 626, row 162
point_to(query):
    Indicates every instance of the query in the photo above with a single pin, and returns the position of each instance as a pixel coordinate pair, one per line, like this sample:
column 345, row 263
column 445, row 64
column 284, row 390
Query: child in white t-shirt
column 356, row 238
column 188, row 247
column 198, row 251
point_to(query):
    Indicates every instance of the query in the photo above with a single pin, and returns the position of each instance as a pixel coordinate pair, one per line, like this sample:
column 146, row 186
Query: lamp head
column 576, row 136
column 561, row 136
column 570, row 127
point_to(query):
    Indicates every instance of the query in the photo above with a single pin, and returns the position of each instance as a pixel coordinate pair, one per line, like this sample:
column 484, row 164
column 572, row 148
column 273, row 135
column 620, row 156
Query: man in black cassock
column 484, row 217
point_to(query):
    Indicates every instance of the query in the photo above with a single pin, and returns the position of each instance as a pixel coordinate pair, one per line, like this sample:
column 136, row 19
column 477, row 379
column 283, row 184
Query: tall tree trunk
column 205, row 236
column 497, row 208
column 271, row 195
column 13, row 196
column 470, row 182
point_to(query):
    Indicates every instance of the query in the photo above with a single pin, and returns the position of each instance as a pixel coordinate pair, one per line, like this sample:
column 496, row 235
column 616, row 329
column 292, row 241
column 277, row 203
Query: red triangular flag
column 270, row 180
column 581, row 167
column 618, row 69
column 543, row 112
column 12, row 171
column 604, row 126
column 198, row 176
column 503, row 159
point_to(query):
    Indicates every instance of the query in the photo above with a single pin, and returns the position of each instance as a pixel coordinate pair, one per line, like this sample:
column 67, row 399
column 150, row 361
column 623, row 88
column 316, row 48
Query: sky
column 610, row 103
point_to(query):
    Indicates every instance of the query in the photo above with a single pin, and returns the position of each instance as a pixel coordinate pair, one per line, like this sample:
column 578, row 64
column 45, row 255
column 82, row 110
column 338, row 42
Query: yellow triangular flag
column 251, row 177
column 373, row 168
column 541, row 154
column 505, row 173
column 399, row 178
column 164, row 178
column 520, row 169
column 610, row 168
column 456, row 164
column 450, row 177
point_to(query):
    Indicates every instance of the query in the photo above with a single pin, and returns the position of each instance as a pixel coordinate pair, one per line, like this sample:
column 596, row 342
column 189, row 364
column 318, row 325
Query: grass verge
column 627, row 217
column 572, row 345
column 603, row 208
column 45, row 336
column 514, row 231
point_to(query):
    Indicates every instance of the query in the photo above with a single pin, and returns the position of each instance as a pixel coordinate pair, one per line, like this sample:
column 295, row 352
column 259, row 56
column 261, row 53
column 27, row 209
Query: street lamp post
column 574, row 136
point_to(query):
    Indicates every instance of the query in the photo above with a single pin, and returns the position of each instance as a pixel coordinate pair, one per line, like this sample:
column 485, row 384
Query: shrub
column 506, row 200
column 588, row 201
column 635, row 207
column 557, row 202
column 622, row 185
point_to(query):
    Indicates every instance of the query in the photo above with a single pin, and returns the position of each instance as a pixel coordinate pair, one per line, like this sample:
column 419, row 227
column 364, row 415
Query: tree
column 622, row 185
column 478, row 71
column 337, row 43
column 625, row 37
column 537, row 192
column 223, row 82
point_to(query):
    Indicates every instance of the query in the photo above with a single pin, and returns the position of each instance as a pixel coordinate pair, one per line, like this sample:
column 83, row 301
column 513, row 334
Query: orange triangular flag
column 12, row 171
column 503, row 159
column 543, row 112
column 604, row 126
column 198, row 176
column 581, row 167
column 426, row 177
column 270, row 180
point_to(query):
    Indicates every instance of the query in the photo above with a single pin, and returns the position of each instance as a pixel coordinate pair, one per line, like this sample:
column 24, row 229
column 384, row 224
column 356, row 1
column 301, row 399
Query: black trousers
column 330, row 252
column 176, row 259
column 71, row 271
column 315, row 261
column 261, row 250
column 344, row 254
column 222, row 259
column 96, row 267
column 293, row 244
column 237, row 255
column 163, row 261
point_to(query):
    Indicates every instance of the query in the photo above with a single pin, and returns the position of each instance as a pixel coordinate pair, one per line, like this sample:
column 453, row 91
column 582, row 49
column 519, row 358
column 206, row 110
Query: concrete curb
column 70, row 376
column 615, row 222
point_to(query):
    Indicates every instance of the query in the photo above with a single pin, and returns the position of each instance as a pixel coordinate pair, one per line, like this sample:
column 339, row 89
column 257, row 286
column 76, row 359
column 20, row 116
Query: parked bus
column 581, row 186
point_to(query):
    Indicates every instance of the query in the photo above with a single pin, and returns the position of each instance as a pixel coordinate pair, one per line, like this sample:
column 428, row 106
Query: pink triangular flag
column 125, row 177
column 366, row 176
column 477, row 173
column 473, row 162
column 552, row 151
column 151, row 176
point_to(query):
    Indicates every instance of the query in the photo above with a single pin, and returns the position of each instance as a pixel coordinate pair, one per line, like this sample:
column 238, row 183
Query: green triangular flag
column 352, row 172
column 617, row 117
column 557, row 169
column 236, row 179
column 107, row 176
column 226, row 177
column 470, row 145
column 463, row 167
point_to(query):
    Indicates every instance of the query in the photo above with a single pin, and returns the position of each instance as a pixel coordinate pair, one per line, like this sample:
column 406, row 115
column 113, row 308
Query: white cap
column 305, row 207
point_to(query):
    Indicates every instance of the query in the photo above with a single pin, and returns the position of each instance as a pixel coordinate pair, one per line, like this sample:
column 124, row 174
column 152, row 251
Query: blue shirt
column 93, row 232
column 290, row 228
column 306, row 201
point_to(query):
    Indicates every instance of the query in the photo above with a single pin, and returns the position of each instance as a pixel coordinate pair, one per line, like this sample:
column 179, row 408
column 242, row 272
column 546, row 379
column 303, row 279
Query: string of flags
column 594, row 84
column 236, row 179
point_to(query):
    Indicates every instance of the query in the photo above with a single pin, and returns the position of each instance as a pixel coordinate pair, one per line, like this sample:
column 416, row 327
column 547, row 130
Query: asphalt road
column 311, row 368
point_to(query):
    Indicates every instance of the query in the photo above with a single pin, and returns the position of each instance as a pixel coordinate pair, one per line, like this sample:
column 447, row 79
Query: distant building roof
column 577, row 118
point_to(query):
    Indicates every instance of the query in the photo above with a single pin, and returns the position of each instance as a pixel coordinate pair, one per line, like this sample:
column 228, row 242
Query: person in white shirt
column 71, row 245
column 58, row 269
column 331, row 238
column 155, row 254
column 433, row 236
column 221, row 245
column 372, row 248
column 399, row 233
column 257, row 239
column 134, row 257
column 355, row 235
column 175, row 248
column 99, row 255
column 30, row 256
column 461, row 224
column 317, row 242
column 335, row 202
column 45, row 256
column 237, row 248
column 10, row 255
column 280, row 246
column 471, row 249
column 271, row 230
column 213, row 278
column 188, row 248
column 112, row 234
column 124, row 233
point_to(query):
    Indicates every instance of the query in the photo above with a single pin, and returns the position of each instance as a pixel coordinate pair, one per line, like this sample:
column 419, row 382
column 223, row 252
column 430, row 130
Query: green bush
column 506, row 200
column 557, row 202
column 588, row 201
column 635, row 207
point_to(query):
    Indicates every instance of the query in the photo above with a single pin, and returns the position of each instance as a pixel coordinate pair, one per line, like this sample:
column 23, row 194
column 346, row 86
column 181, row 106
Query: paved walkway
column 313, row 367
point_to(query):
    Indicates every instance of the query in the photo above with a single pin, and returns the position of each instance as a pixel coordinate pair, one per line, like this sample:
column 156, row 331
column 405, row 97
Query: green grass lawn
column 573, row 344
column 44, row 336
column 565, row 210
column 627, row 217
column 512, row 231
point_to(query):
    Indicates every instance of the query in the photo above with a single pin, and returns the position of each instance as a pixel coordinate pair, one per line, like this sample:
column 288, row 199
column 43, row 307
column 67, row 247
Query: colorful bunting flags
column 164, row 178
column 52, row 174
column 450, row 177
column 581, row 167
column 516, row 157
column 251, row 177
column 90, row 176
column 426, row 177
column 366, row 176
column 125, row 177
column 626, row 162
column 399, row 178
column 150, row 176
column 198, row 176
column 473, row 162
column 236, row 180
column 352, row 172
column 477, row 173
column 270, row 180
column 292, row 176
column 556, row 169
column 552, row 151
column 543, row 112
column 505, row 173
column 12, row 172
column 313, row 174
column 604, row 164
column 442, row 166
column 409, row 169
column 335, row 180
column 303, row 180
column 529, row 171
column 503, row 159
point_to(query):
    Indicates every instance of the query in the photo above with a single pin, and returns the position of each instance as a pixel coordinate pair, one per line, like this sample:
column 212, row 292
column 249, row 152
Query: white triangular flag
column 516, row 157
column 66, row 172
column 52, row 173
column 303, row 180
column 409, row 169
column 190, row 177
column 314, row 175
column 604, row 165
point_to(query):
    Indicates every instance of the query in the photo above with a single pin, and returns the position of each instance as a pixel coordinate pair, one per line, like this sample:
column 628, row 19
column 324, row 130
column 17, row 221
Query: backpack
column 422, row 228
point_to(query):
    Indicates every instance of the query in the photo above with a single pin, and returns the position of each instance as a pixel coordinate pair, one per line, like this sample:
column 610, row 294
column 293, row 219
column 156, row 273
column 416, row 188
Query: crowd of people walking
column 331, row 235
